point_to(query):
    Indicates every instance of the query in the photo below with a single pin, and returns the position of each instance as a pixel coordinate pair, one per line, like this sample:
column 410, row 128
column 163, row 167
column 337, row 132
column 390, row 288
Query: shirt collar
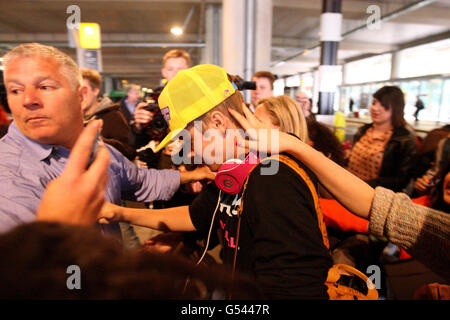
column 40, row 150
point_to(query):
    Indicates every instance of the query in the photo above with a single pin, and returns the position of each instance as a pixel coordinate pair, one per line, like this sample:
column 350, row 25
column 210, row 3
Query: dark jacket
column 398, row 159
column 115, row 130
column 126, row 113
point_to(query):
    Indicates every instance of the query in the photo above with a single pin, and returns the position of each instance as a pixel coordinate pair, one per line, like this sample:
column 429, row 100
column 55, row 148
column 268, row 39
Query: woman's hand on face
column 262, row 138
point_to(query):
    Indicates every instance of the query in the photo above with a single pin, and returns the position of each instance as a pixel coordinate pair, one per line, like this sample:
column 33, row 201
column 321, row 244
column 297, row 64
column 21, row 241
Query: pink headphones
column 232, row 174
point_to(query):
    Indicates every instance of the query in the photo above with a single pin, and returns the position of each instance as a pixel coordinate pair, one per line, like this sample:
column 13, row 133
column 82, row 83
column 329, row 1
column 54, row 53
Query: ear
column 219, row 121
column 82, row 93
column 96, row 92
column 164, row 72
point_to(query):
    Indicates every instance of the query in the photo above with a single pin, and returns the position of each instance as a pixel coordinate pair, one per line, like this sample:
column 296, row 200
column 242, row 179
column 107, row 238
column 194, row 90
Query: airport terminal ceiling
column 136, row 34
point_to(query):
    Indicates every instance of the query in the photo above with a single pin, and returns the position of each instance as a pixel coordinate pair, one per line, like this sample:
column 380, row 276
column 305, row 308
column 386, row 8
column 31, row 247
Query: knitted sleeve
column 422, row 231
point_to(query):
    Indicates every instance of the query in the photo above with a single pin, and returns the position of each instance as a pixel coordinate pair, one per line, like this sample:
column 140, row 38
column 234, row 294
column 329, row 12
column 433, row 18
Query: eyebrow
column 38, row 80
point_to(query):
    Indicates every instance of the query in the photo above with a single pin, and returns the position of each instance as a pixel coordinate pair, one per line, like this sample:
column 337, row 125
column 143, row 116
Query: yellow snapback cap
column 190, row 94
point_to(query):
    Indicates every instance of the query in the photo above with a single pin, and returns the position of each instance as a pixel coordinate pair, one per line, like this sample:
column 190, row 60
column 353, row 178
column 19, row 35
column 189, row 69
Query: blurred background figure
column 419, row 106
column 384, row 150
column 324, row 140
column 115, row 129
column 306, row 104
column 264, row 87
column 432, row 152
column 4, row 121
column 174, row 61
column 128, row 104
column 350, row 105
column 149, row 125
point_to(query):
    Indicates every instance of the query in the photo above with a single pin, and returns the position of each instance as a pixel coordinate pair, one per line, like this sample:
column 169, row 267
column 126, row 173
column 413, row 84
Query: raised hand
column 78, row 194
column 262, row 138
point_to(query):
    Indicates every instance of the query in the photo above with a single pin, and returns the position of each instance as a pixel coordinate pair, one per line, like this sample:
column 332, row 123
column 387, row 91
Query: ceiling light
column 176, row 31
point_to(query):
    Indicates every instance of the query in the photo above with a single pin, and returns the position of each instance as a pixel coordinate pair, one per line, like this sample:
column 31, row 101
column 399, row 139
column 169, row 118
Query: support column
column 212, row 53
column 263, row 34
column 233, row 36
column 330, row 35
column 395, row 65
column 250, row 31
column 108, row 85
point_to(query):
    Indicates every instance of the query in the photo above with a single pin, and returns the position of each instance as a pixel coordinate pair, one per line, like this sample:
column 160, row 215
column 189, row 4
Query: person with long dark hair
column 384, row 150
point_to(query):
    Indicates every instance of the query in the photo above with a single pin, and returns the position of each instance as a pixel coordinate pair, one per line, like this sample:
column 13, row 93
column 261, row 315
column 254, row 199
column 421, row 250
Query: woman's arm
column 349, row 190
column 171, row 219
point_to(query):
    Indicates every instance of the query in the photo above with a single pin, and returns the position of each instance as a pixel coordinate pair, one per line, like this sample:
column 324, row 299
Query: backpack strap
column 305, row 177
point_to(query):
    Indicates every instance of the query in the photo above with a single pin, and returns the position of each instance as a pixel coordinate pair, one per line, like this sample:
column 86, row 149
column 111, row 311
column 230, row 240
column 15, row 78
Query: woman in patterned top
column 384, row 150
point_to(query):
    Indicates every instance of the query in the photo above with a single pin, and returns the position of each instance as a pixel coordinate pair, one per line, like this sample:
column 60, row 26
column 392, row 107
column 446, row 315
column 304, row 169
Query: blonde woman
column 283, row 113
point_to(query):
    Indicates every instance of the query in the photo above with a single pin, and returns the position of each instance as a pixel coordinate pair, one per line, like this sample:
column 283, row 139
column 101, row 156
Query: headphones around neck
column 232, row 174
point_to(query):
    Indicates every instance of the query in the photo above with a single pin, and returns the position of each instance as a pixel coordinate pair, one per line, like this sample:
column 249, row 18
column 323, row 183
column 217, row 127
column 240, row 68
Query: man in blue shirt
column 44, row 94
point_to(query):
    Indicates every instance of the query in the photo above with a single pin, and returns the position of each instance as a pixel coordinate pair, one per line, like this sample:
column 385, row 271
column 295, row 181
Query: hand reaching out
column 77, row 195
column 110, row 213
column 141, row 115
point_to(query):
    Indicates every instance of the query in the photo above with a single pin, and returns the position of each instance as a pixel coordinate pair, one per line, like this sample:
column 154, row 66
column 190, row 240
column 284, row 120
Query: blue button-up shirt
column 27, row 166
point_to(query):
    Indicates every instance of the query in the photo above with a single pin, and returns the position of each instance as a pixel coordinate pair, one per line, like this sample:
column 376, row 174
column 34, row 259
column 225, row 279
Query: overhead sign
column 90, row 36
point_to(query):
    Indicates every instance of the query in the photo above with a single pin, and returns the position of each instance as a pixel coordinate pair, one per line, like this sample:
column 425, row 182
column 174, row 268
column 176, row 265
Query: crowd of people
column 71, row 160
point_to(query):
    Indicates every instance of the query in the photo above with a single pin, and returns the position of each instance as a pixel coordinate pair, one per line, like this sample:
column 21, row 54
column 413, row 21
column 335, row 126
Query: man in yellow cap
column 276, row 237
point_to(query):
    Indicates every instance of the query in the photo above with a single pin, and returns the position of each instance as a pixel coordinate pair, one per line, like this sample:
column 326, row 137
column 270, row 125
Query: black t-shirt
column 280, row 243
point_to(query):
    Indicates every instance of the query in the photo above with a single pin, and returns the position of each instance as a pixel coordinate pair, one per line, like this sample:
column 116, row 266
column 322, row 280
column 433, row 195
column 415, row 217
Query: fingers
column 141, row 105
column 248, row 114
column 143, row 116
column 103, row 220
column 239, row 118
column 106, row 214
column 422, row 183
column 81, row 152
column 99, row 168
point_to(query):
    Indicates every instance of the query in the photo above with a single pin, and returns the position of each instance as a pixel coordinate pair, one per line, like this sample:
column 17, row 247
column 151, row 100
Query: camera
column 244, row 85
column 156, row 129
column 241, row 84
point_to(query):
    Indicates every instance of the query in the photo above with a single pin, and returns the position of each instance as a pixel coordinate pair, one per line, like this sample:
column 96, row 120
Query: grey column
column 395, row 65
column 233, row 36
column 263, row 34
column 211, row 53
column 330, row 36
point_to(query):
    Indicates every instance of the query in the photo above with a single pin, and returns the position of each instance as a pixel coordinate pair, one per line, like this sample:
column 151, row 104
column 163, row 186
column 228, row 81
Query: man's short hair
column 265, row 74
column 94, row 78
column 133, row 86
column 68, row 68
column 234, row 102
column 177, row 53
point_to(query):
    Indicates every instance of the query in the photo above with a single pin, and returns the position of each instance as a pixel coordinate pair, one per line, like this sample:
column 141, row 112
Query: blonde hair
column 287, row 114
column 94, row 78
column 177, row 53
column 133, row 86
column 68, row 68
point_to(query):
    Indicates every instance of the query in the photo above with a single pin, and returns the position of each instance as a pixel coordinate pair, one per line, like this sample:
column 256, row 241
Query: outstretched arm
column 349, row 190
column 173, row 219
